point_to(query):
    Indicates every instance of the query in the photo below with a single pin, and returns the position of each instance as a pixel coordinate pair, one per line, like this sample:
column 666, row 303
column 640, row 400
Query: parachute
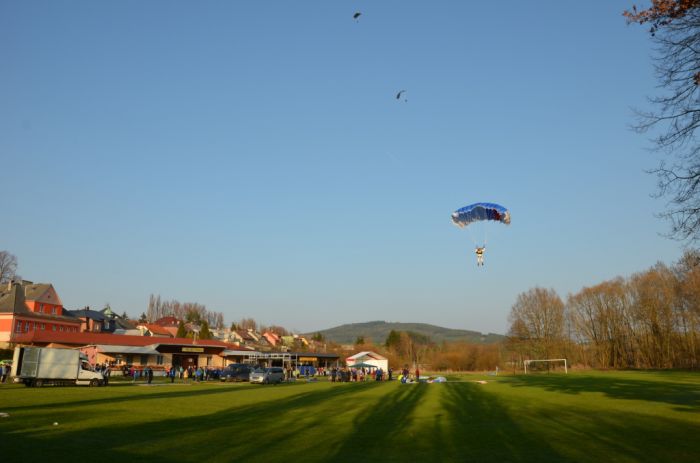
column 480, row 211
column 398, row 95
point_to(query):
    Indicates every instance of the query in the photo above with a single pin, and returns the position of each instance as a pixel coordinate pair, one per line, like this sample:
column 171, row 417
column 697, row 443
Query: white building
column 370, row 358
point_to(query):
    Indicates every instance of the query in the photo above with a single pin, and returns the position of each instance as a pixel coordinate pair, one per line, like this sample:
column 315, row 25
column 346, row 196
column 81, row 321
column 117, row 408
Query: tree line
column 411, row 349
column 191, row 312
column 648, row 320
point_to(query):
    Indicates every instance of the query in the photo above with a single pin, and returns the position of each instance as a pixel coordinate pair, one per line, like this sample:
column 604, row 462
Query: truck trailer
column 38, row 366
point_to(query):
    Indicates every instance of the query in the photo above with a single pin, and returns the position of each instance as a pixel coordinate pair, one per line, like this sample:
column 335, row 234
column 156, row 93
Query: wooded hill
column 377, row 331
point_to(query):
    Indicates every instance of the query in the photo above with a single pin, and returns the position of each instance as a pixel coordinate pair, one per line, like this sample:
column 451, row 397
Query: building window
column 144, row 360
column 26, row 327
column 159, row 359
column 208, row 360
column 61, row 328
column 53, row 327
column 53, row 310
column 41, row 307
column 43, row 326
column 129, row 359
column 18, row 328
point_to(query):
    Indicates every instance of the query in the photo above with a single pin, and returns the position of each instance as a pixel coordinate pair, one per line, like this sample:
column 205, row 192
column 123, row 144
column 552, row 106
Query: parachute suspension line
column 472, row 236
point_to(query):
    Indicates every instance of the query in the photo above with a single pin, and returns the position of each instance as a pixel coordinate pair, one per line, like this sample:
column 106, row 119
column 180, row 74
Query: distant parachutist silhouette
column 356, row 15
column 398, row 95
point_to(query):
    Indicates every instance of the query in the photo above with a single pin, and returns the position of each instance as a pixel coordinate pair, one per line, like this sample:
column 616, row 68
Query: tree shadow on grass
column 380, row 431
column 685, row 395
column 481, row 430
column 615, row 435
column 264, row 431
column 98, row 396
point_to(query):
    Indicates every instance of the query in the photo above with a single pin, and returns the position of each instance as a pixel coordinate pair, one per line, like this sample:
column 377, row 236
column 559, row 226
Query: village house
column 273, row 339
column 33, row 315
column 152, row 329
column 137, row 351
column 90, row 320
column 169, row 323
column 28, row 307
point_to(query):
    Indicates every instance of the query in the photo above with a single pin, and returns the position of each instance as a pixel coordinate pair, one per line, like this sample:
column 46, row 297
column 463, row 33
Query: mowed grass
column 591, row 416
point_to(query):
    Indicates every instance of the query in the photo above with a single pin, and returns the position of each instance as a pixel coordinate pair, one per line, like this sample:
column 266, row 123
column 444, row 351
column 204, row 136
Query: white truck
column 36, row 366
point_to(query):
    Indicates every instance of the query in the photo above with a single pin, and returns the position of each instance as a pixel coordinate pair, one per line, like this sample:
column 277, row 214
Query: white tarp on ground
column 371, row 358
column 129, row 350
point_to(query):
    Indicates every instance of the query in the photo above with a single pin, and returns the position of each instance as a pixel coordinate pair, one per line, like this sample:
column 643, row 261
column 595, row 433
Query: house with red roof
column 167, row 321
column 151, row 329
column 169, row 324
column 272, row 338
column 26, row 307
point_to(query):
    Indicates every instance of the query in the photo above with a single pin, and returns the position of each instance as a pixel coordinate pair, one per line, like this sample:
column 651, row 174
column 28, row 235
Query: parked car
column 272, row 375
column 236, row 372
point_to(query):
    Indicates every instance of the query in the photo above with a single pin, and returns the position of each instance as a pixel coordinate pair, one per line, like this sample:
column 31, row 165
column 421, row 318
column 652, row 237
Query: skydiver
column 398, row 95
column 356, row 15
column 480, row 255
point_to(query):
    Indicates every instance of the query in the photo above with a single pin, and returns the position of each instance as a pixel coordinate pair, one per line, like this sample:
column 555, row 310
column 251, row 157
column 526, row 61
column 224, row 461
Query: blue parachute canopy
column 480, row 211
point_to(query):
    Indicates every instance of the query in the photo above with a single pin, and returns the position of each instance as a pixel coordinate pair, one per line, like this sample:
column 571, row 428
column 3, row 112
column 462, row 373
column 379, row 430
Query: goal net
column 545, row 366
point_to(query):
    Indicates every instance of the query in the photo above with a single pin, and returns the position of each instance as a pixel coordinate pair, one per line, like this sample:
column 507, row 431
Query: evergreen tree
column 393, row 341
column 181, row 330
column 204, row 332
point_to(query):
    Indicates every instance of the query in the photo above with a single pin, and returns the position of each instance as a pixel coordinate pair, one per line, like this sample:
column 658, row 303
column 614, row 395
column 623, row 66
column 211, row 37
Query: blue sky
column 251, row 155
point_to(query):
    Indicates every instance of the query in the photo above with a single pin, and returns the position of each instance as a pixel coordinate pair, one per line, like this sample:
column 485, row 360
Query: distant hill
column 378, row 331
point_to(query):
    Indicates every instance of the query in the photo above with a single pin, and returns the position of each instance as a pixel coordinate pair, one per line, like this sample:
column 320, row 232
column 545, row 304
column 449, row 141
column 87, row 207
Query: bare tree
column 537, row 319
column 649, row 320
column 675, row 29
column 189, row 311
column 8, row 266
column 600, row 318
column 248, row 324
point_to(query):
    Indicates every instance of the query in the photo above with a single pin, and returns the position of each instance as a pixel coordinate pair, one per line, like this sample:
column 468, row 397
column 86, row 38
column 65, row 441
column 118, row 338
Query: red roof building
column 139, row 351
column 151, row 329
column 167, row 321
column 26, row 307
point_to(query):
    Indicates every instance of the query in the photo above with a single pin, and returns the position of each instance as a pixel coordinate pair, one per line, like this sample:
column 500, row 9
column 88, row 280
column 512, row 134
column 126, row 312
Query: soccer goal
column 544, row 365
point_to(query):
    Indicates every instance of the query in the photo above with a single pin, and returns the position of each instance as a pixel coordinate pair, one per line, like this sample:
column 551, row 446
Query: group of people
column 196, row 374
column 405, row 376
column 344, row 375
column 173, row 372
column 146, row 374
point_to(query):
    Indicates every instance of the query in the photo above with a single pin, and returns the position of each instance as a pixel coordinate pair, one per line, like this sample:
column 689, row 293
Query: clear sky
column 251, row 155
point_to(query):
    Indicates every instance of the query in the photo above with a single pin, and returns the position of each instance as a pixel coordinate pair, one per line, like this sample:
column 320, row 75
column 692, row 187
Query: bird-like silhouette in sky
column 398, row 95
column 356, row 15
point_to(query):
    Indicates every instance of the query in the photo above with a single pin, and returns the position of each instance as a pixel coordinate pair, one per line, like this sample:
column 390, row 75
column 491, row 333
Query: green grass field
column 591, row 416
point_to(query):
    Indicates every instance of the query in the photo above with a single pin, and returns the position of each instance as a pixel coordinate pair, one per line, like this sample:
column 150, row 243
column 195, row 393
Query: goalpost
column 528, row 362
